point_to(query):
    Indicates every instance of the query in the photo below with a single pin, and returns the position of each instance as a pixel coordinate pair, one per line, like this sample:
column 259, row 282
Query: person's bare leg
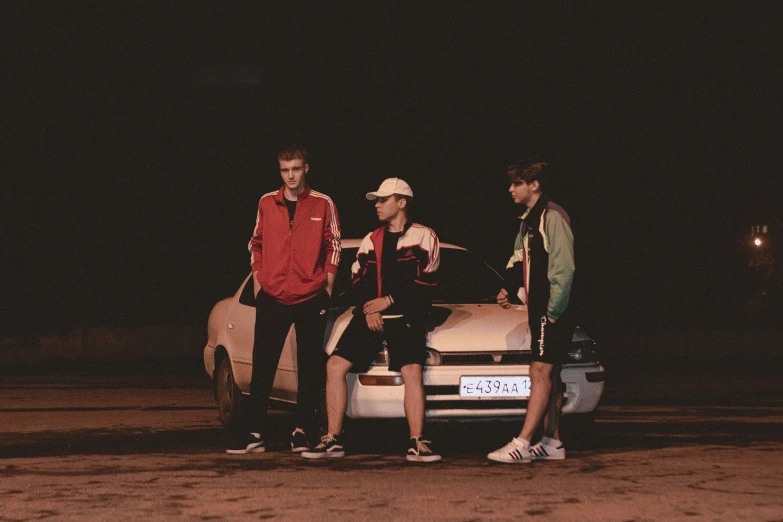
column 336, row 392
column 414, row 398
column 538, row 403
column 552, row 418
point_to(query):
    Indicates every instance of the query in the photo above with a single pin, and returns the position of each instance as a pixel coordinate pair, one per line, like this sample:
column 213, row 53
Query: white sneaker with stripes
column 516, row 451
column 548, row 449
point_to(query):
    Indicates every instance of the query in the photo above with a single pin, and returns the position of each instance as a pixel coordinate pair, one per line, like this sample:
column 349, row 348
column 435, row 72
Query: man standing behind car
column 295, row 250
column 392, row 279
column 543, row 264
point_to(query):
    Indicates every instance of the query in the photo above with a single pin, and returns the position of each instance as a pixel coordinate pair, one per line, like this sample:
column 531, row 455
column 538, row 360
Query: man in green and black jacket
column 542, row 269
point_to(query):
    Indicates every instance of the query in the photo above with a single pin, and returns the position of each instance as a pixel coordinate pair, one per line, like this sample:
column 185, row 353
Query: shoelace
column 421, row 445
column 325, row 439
column 511, row 446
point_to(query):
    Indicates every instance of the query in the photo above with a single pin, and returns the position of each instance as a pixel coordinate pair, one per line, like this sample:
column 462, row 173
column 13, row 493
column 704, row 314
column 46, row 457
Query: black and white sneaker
column 515, row 452
column 299, row 441
column 250, row 444
column 329, row 448
column 420, row 450
column 548, row 449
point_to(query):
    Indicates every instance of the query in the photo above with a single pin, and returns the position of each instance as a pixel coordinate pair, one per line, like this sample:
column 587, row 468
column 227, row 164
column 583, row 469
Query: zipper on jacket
column 290, row 253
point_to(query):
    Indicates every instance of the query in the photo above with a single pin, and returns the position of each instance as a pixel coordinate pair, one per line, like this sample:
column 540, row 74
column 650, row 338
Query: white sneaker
column 516, row 451
column 548, row 449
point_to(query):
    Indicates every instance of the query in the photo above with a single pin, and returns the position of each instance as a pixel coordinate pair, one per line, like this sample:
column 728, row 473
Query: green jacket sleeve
column 561, row 268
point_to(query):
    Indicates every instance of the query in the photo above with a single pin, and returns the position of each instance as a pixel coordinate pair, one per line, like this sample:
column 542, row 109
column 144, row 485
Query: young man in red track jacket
column 295, row 250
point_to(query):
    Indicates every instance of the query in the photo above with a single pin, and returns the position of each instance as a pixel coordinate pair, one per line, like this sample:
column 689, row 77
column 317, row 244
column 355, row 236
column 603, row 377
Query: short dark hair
column 529, row 170
column 408, row 202
column 292, row 152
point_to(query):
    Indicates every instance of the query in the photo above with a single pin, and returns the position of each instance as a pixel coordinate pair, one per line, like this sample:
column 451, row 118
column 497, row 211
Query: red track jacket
column 292, row 262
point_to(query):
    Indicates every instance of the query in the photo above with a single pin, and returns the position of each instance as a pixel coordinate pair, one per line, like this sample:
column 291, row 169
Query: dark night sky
column 140, row 137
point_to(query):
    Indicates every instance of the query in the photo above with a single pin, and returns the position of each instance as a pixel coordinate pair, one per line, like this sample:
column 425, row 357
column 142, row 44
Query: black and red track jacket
column 418, row 258
column 292, row 261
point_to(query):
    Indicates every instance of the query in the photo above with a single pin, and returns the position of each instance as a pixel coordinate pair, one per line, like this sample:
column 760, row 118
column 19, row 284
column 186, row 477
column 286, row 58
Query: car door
column 239, row 333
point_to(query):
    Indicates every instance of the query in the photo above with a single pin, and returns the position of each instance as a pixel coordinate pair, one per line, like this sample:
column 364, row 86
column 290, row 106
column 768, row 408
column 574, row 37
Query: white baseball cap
column 391, row 186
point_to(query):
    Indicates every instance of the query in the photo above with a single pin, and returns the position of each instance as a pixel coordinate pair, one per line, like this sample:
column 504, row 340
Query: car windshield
column 462, row 278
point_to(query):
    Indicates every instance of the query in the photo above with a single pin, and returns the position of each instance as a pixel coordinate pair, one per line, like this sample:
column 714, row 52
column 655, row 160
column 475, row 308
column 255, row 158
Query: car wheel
column 229, row 396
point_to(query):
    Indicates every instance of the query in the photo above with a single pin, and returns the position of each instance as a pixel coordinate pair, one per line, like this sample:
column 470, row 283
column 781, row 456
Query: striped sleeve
column 362, row 289
column 331, row 234
column 359, row 266
column 430, row 261
column 561, row 263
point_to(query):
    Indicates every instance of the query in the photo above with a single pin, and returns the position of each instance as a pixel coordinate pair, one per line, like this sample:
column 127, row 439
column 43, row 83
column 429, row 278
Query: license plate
column 494, row 387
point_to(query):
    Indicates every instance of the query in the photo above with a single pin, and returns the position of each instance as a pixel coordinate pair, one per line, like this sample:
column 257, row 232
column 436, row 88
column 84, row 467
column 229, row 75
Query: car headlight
column 582, row 352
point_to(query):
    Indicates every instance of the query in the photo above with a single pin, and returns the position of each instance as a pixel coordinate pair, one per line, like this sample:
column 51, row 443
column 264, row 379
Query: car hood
column 477, row 327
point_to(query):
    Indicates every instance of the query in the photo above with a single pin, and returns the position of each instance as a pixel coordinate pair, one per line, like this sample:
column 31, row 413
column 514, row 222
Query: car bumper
column 583, row 389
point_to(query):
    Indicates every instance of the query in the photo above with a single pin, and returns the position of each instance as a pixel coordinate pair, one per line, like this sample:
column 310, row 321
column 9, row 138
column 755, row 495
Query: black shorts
column 406, row 342
column 556, row 338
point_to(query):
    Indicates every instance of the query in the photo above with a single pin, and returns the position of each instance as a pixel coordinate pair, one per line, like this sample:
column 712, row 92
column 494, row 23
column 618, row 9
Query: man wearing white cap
column 393, row 276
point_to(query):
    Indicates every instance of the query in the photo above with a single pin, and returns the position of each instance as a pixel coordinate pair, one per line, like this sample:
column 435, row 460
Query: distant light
column 757, row 241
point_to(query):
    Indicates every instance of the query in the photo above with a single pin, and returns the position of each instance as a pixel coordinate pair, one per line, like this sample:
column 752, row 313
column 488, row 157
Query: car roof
column 354, row 243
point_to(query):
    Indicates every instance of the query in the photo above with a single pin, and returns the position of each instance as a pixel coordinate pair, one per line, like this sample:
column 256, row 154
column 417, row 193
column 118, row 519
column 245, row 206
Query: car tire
column 228, row 395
